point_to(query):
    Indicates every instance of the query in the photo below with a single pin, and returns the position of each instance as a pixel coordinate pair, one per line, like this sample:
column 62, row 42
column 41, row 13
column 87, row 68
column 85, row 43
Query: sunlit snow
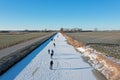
column 68, row 64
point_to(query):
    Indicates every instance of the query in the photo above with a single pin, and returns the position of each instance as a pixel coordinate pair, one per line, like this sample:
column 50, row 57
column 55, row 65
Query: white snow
column 81, row 49
column 100, row 63
column 67, row 64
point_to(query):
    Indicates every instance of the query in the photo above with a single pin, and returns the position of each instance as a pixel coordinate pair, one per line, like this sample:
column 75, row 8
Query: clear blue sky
column 54, row 14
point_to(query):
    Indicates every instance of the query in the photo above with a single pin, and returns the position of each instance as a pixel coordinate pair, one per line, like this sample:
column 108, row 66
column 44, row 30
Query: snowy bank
column 108, row 68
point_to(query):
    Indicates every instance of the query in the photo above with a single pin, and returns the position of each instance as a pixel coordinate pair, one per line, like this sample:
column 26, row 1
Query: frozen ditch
column 67, row 64
column 18, row 67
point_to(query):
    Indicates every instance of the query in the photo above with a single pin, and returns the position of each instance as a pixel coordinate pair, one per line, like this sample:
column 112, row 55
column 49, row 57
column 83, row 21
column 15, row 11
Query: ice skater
column 52, row 53
column 54, row 44
column 51, row 65
column 48, row 51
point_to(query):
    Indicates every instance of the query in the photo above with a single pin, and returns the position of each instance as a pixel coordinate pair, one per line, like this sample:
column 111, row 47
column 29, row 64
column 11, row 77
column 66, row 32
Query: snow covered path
column 67, row 64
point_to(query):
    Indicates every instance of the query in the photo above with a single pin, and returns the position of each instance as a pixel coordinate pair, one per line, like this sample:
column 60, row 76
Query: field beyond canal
column 8, row 39
column 107, row 42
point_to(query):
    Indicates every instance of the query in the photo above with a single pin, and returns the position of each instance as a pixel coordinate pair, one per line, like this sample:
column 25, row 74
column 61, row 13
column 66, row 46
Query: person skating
column 54, row 44
column 51, row 65
column 52, row 53
column 48, row 51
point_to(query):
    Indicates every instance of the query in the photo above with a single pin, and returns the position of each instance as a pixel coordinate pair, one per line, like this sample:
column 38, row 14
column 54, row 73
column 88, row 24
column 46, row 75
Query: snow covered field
column 67, row 64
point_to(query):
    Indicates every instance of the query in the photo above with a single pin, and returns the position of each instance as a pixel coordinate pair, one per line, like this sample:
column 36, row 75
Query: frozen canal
column 67, row 64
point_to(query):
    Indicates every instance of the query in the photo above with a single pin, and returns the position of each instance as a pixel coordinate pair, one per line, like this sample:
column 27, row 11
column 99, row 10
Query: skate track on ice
column 67, row 64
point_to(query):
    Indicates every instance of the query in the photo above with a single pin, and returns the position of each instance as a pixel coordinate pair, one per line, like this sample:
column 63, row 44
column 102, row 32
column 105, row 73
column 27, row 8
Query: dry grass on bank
column 10, row 39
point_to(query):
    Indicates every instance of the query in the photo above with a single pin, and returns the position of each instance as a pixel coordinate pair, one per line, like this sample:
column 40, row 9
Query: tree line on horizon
column 74, row 30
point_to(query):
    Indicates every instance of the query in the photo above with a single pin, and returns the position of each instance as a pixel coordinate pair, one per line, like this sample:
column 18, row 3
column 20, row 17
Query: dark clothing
column 52, row 51
column 51, row 65
column 54, row 44
column 49, row 51
column 52, row 54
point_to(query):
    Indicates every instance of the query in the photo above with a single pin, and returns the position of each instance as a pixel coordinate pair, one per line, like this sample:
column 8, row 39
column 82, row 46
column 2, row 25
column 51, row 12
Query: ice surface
column 67, row 64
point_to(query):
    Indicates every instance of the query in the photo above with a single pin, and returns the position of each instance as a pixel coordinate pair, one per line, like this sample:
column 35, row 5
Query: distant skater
column 51, row 65
column 52, row 53
column 54, row 44
column 48, row 51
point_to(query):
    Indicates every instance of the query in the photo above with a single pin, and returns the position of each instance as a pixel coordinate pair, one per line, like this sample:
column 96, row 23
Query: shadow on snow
column 72, row 68
column 66, row 58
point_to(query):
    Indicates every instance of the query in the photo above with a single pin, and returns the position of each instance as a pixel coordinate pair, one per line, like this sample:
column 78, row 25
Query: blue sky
column 54, row 14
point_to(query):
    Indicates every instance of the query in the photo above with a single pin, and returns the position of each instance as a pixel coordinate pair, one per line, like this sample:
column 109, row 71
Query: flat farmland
column 12, row 38
column 107, row 42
